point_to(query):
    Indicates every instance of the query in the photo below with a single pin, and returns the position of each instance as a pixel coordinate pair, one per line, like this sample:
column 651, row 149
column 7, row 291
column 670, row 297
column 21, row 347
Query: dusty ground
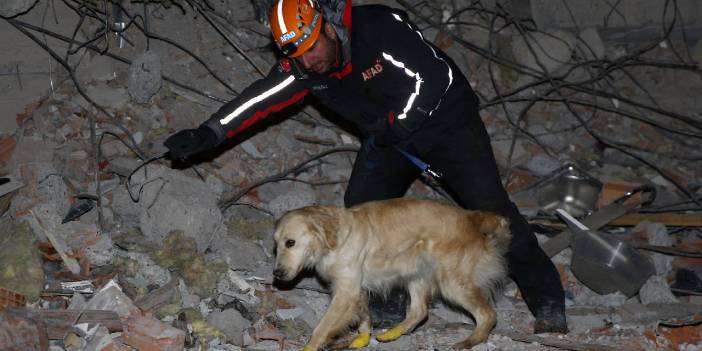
column 191, row 245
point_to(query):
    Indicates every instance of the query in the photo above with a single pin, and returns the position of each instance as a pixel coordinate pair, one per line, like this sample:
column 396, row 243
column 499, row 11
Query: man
column 403, row 93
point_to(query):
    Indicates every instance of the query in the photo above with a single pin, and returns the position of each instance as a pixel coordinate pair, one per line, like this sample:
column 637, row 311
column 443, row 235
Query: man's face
column 323, row 54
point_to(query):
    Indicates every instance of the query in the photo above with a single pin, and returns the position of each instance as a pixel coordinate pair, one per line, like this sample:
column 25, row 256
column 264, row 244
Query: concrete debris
column 544, row 52
column 105, row 96
column 145, row 77
column 246, row 254
column 266, row 345
column 179, row 254
column 657, row 234
column 60, row 322
column 289, row 313
column 100, row 339
column 656, row 290
column 77, row 302
column 20, row 262
column 167, row 296
column 231, row 323
column 235, row 287
column 190, row 205
column 542, row 165
column 140, row 270
column 188, row 300
column 217, row 344
column 174, row 271
column 282, row 196
column 111, row 298
column 192, row 321
column 449, row 315
column 19, row 331
column 101, row 251
column 96, row 67
column 590, row 45
column 251, row 149
column 11, row 8
column 587, row 297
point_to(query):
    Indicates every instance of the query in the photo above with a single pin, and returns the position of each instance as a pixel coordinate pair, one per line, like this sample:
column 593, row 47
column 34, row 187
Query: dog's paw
column 391, row 335
column 361, row 341
column 464, row 345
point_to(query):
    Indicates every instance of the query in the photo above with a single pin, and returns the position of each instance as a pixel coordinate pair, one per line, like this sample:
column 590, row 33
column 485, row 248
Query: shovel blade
column 607, row 265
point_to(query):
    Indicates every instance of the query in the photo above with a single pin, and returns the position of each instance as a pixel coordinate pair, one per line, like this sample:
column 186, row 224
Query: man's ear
column 329, row 31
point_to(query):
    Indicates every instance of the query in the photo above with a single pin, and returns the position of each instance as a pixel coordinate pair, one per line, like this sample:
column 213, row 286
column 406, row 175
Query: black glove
column 188, row 142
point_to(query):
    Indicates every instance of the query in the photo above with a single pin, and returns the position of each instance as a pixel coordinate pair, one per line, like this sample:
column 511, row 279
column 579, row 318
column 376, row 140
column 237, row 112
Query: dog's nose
column 278, row 273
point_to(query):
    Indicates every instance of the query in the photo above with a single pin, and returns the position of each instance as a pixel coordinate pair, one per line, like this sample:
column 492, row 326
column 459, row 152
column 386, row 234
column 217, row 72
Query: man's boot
column 550, row 318
column 388, row 311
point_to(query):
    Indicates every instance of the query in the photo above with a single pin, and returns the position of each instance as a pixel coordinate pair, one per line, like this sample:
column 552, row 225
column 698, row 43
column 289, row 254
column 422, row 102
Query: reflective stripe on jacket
column 396, row 78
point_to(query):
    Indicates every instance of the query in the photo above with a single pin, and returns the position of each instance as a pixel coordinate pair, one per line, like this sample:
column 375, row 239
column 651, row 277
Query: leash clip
column 432, row 173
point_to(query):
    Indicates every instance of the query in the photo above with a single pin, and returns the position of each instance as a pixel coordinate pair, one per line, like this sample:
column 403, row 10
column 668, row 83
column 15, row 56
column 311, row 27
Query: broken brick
column 149, row 334
column 11, row 298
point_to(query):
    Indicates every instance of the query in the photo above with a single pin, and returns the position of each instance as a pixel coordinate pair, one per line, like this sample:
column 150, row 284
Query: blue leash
column 431, row 177
column 423, row 166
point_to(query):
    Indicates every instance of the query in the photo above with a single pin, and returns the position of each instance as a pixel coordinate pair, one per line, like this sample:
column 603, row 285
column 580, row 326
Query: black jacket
column 395, row 79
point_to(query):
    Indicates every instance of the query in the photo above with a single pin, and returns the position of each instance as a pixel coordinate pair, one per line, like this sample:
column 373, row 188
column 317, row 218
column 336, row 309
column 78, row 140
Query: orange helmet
column 295, row 25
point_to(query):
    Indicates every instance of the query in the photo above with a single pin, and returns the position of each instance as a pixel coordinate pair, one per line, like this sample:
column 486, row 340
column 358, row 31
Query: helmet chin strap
column 337, row 46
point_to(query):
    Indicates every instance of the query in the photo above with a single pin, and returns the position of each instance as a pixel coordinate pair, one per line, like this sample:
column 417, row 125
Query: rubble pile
column 108, row 245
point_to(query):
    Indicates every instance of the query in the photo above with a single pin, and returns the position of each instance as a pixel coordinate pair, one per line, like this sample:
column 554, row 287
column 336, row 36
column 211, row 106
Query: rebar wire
column 146, row 180
column 644, row 161
column 557, row 84
column 520, row 117
column 132, row 20
column 71, row 73
column 236, row 47
column 619, row 64
column 91, row 119
column 633, row 59
column 102, row 31
column 118, row 58
column 224, row 204
column 599, row 138
column 51, row 69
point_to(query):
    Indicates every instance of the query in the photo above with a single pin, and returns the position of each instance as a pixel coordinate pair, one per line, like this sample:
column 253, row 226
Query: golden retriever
column 427, row 247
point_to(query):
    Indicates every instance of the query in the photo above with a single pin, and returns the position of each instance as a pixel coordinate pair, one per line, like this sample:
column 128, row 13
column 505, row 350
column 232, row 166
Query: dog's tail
column 496, row 229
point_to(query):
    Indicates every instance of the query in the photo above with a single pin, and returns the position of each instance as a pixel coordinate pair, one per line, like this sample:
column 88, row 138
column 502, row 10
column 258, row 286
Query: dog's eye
column 290, row 243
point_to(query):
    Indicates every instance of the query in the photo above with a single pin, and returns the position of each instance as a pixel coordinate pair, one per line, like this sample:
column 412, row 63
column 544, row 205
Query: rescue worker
column 402, row 92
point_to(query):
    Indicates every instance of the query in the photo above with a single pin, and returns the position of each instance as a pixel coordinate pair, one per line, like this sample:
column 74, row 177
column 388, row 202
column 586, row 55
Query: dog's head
column 302, row 237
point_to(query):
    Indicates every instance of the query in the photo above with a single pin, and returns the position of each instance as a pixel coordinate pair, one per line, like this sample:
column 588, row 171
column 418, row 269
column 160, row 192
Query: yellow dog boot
column 308, row 348
column 362, row 340
column 392, row 334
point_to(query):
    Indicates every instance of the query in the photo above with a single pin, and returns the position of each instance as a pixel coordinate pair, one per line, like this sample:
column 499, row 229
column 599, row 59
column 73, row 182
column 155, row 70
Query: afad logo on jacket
column 372, row 71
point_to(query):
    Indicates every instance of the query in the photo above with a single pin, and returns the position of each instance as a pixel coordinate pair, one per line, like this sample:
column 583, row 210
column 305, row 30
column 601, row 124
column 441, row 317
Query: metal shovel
column 604, row 264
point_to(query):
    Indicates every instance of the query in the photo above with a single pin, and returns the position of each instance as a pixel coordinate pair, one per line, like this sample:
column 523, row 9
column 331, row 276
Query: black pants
column 464, row 156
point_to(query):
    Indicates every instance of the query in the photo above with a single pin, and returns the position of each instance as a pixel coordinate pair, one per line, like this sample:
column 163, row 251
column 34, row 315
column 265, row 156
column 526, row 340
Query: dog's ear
column 325, row 223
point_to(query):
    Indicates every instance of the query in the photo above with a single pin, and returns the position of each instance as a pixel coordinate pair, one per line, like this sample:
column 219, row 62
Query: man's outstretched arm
column 278, row 90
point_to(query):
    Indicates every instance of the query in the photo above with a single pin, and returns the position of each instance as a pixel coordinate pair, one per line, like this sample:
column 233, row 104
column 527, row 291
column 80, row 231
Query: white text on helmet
column 287, row 36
